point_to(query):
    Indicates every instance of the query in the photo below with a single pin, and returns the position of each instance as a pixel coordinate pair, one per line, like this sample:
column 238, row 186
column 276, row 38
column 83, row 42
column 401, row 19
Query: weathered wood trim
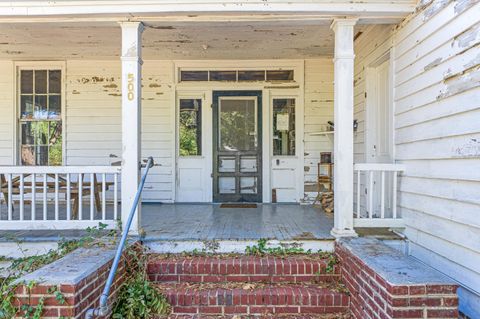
column 123, row 7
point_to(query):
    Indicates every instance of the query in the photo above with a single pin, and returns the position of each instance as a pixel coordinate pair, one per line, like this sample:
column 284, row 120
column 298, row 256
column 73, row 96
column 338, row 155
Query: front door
column 237, row 146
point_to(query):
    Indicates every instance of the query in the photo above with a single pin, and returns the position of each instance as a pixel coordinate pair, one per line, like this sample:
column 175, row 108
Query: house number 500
column 130, row 87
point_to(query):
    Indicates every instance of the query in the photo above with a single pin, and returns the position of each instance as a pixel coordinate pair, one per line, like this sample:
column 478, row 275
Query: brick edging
column 372, row 297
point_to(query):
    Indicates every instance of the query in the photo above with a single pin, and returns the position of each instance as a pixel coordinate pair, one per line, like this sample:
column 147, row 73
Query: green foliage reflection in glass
column 40, row 117
column 190, row 127
column 238, row 123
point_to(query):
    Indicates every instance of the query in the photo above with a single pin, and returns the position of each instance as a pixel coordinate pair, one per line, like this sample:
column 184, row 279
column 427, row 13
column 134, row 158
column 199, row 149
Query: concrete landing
column 392, row 265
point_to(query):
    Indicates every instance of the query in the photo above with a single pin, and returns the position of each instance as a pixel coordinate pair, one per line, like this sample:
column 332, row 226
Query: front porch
column 98, row 111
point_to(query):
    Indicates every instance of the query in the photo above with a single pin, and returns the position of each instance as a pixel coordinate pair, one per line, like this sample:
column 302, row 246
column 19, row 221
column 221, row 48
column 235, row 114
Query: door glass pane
column 251, row 75
column 226, row 185
column 248, row 185
column 190, row 127
column 226, row 164
column 280, row 75
column 194, row 76
column 248, row 164
column 223, row 75
column 237, row 125
column 283, row 126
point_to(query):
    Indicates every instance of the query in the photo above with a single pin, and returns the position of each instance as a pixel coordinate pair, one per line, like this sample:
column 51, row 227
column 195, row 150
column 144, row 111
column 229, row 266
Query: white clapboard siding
column 93, row 119
column 318, row 110
column 7, row 111
column 437, row 121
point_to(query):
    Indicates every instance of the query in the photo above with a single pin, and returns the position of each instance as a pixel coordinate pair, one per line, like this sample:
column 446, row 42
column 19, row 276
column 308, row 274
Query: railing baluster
column 92, row 194
column 358, row 195
column 80, row 191
column 370, row 194
column 394, row 195
column 10, row 203
column 56, row 197
column 69, row 205
column 104, row 189
column 22, row 197
column 382, row 196
column 115, row 196
column 44, row 196
column 34, row 191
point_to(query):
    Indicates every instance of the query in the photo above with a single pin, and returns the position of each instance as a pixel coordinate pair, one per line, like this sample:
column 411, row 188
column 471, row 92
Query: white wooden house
column 233, row 100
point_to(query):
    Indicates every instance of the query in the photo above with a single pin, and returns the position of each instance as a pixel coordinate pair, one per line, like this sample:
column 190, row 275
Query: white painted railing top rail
column 58, row 197
column 376, row 195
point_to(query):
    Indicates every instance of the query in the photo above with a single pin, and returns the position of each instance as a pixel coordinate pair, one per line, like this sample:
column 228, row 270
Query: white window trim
column 37, row 65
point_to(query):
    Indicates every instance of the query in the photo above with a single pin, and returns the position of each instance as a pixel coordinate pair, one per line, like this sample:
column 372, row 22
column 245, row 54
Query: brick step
column 262, row 316
column 251, row 299
column 298, row 269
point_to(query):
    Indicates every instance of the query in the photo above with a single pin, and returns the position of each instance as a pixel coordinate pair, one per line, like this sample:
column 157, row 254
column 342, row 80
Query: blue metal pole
column 102, row 310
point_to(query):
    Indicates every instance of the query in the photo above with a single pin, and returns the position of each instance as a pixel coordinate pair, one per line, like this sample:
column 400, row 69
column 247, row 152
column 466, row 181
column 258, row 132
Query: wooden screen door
column 237, row 146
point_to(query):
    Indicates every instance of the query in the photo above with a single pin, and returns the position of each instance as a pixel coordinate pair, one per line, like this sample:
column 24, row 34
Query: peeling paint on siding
column 470, row 149
column 433, row 64
column 460, row 82
column 467, row 38
column 434, row 8
column 463, row 5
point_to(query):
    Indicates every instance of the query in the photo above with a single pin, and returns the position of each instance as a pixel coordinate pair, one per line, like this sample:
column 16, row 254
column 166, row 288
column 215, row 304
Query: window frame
column 271, row 113
column 286, row 97
column 192, row 96
column 37, row 65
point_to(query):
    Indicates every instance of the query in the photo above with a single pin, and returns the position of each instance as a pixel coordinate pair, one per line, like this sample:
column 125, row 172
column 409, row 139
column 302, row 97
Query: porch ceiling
column 296, row 39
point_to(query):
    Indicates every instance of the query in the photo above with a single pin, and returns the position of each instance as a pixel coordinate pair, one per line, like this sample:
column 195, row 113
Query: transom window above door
column 236, row 75
column 40, row 118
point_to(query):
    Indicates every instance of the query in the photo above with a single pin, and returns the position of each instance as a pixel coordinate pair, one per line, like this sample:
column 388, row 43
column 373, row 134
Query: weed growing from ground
column 138, row 297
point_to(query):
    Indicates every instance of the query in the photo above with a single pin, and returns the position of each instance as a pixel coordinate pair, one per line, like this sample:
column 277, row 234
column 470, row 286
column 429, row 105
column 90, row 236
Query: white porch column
column 131, row 117
column 343, row 119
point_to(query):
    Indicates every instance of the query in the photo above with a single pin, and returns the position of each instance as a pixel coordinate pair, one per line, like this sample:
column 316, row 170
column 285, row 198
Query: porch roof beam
column 367, row 8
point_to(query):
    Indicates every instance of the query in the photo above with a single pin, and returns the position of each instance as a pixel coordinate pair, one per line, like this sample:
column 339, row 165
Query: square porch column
column 131, row 117
column 343, row 119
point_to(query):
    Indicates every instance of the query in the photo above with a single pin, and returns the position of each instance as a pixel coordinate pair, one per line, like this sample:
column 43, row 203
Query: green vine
column 261, row 249
column 137, row 297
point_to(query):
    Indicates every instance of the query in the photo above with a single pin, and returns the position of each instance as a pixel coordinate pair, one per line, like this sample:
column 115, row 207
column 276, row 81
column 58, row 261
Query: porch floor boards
column 209, row 221
column 199, row 222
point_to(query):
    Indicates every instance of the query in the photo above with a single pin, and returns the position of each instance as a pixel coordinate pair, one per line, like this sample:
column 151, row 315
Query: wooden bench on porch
column 51, row 187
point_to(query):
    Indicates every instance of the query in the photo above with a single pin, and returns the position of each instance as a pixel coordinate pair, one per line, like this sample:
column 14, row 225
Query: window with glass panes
column 40, row 117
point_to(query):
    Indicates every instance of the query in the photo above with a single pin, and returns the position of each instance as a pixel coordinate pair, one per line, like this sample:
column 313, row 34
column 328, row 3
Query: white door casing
column 287, row 170
column 379, row 127
column 193, row 182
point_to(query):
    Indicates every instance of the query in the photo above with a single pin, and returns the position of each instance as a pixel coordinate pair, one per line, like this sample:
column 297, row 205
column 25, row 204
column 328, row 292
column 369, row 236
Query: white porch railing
column 58, row 197
column 376, row 195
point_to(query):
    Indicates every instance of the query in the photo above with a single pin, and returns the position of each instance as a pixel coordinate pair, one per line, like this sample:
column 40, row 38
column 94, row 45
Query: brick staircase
column 293, row 287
